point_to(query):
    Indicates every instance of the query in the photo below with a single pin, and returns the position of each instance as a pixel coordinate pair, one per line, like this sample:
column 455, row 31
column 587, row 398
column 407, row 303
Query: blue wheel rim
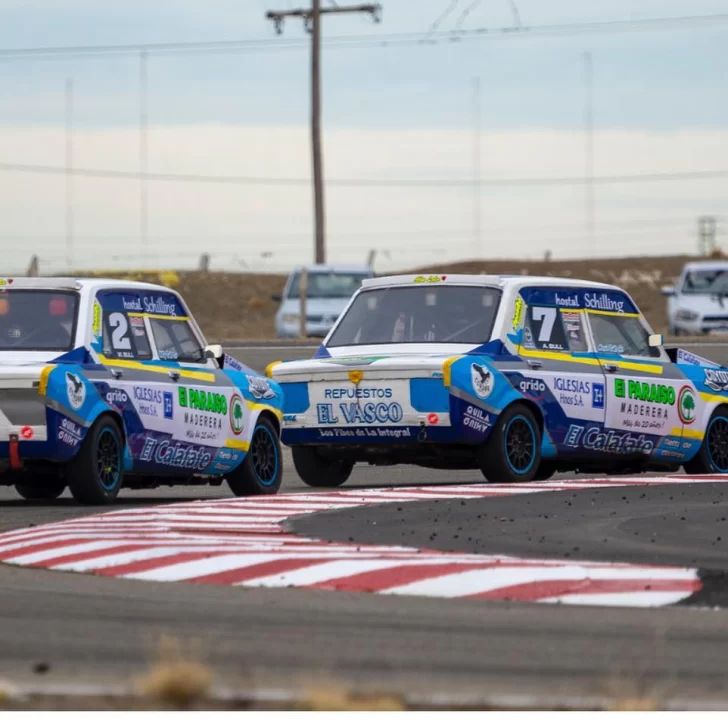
column 519, row 444
column 264, row 454
column 717, row 444
column 108, row 458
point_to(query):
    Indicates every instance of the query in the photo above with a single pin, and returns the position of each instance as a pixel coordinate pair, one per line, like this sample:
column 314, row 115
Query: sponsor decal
column 686, row 405
column 518, row 314
column 132, row 304
column 148, row 394
column 598, row 395
column 670, row 443
column 6, row 281
column 97, row 319
column 356, row 413
column 610, row 349
column 27, row 432
column 69, row 432
column 173, row 454
column 230, row 362
column 611, row 441
column 168, row 402
column 716, row 379
column 571, row 391
column 236, row 414
column 476, row 419
column 482, row 379
column 260, row 387
column 159, row 305
column 429, row 279
column 116, row 398
column 533, row 388
column 76, row 390
column 290, row 418
column 571, row 301
column 644, row 391
column 390, row 432
column 204, row 400
column 433, row 418
column 357, row 393
column 603, row 302
column 202, row 426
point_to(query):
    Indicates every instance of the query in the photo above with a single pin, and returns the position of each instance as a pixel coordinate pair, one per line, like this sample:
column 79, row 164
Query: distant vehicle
column 698, row 304
column 329, row 289
column 518, row 376
column 106, row 384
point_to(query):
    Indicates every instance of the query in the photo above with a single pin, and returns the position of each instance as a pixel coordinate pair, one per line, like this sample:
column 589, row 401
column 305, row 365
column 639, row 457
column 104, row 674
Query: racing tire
column 546, row 470
column 262, row 470
column 512, row 453
column 318, row 472
column 40, row 491
column 713, row 454
column 96, row 474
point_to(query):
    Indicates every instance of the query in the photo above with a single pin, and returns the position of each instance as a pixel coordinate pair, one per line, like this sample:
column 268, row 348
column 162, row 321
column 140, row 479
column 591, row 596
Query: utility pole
column 706, row 235
column 589, row 151
column 312, row 22
column 69, row 172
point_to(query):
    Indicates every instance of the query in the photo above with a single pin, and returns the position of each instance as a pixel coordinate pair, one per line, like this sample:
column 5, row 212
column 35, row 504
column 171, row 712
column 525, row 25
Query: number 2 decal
column 119, row 332
column 548, row 318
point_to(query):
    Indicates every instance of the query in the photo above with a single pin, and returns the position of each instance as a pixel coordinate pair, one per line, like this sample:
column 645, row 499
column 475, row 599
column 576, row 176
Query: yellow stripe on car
column 269, row 368
column 557, row 356
column 43, row 384
column 126, row 364
column 446, row 366
column 237, row 445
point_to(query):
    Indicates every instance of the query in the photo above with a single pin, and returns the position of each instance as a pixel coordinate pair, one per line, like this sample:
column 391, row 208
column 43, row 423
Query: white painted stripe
column 629, row 599
column 202, row 567
column 129, row 557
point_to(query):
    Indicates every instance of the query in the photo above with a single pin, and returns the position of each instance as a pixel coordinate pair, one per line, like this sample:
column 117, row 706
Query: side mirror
column 214, row 351
column 276, row 297
column 667, row 290
column 655, row 341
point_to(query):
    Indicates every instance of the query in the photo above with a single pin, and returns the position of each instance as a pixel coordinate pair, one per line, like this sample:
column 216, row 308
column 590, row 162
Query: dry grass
column 176, row 678
column 636, row 704
column 336, row 699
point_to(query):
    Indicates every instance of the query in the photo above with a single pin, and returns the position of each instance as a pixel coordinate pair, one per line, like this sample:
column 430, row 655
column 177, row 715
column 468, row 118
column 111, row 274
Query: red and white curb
column 242, row 542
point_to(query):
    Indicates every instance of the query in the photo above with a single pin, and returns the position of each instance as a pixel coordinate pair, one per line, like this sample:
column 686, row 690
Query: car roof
column 500, row 281
column 334, row 268
column 706, row 265
column 76, row 284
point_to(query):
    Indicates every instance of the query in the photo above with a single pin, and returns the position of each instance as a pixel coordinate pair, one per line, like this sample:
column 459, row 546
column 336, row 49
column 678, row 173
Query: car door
column 566, row 383
column 650, row 404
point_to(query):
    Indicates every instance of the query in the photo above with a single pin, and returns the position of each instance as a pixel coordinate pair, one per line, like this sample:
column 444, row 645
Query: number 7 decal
column 548, row 318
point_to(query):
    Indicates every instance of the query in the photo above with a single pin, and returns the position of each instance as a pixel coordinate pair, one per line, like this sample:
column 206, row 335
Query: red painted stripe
column 90, row 554
column 34, row 548
column 268, row 568
column 533, row 591
column 393, row 576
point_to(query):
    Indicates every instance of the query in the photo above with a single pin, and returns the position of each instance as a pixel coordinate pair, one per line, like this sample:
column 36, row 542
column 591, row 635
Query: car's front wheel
column 317, row 471
column 512, row 453
column 96, row 474
column 40, row 490
column 261, row 472
column 713, row 454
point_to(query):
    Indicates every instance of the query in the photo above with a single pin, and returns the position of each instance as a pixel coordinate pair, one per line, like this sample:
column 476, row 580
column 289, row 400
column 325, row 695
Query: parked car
column 107, row 384
column 517, row 376
column 329, row 289
column 698, row 303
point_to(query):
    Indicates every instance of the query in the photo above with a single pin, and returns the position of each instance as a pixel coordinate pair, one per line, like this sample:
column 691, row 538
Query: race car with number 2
column 107, row 384
column 520, row 377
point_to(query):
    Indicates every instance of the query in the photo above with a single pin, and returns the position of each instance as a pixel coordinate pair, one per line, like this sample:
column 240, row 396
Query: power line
column 95, row 173
column 695, row 22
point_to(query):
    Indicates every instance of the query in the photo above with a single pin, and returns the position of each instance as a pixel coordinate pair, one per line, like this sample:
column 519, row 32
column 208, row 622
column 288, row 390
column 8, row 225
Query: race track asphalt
column 58, row 629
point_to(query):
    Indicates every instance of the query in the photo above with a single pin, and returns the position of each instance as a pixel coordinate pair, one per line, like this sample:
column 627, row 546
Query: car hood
column 704, row 305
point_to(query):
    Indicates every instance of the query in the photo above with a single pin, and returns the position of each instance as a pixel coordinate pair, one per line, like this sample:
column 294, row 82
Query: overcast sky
column 396, row 112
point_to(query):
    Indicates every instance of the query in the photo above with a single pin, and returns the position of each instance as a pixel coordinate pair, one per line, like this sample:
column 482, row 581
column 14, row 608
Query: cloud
column 237, row 223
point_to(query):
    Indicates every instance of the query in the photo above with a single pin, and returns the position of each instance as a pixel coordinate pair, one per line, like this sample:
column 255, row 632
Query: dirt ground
column 238, row 306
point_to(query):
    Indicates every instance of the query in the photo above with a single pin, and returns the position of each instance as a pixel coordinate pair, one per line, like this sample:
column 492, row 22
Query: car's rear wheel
column 262, row 470
column 317, row 471
column 512, row 453
column 40, row 491
column 546, row 470
column 96, row 474
column 713, row 454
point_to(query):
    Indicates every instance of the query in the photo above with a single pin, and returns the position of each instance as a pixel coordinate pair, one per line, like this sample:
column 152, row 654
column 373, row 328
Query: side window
column 614, row 334
column 552, row 329
column 175, row 339
column 124, row 336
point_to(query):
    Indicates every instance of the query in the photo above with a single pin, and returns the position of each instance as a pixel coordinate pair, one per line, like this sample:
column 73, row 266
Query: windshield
column 706, row 282
column 327, row 285
column 37, row 320
column 419, row 314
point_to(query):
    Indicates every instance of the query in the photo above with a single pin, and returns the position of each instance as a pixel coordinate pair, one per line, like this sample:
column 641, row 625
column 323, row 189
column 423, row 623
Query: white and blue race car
column 107, row 384
column 517, row 376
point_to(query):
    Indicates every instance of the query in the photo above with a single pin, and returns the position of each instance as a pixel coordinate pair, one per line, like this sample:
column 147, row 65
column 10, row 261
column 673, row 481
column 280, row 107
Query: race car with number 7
column 518, row 376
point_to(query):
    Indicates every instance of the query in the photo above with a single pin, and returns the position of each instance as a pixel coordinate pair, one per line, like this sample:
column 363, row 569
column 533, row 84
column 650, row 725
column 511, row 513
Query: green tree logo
column 686, row 405
column 236, row 414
